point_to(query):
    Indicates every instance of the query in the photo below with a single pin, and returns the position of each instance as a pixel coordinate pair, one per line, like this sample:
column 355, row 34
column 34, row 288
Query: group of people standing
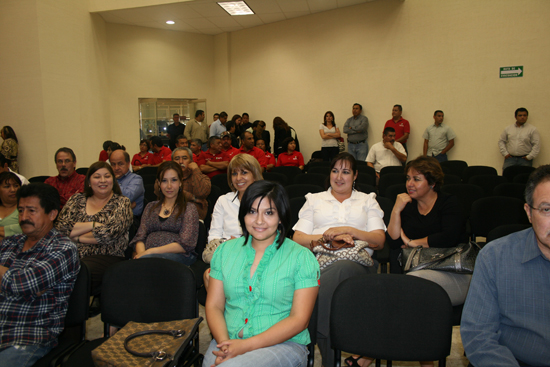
column 519, row 143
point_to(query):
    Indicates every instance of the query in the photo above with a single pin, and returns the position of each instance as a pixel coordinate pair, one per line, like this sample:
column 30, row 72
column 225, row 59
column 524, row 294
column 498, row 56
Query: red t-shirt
column 207, row 156
column 138, row 160
column 196, row 157
column 231, row 152
column 103, row 156
column 164, row 154
column 295, row 159
column 256, row 153
column 270, row 158
column 401, row 127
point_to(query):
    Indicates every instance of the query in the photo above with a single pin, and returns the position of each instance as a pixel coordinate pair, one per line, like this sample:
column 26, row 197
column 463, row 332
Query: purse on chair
column 328, row 253
column 460, row 259
column 158, row 344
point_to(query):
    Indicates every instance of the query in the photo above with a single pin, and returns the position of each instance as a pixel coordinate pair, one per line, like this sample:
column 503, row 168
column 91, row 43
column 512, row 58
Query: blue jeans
column 287, row 354
column 441, row 157
column 185, row 260
column 358, row 151
column 22, row 355
column 516, row 161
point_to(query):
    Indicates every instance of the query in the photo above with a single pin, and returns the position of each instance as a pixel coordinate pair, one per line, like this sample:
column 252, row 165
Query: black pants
column 329, row 153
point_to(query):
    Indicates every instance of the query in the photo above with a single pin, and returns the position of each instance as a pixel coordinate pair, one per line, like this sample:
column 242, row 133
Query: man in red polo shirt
column 248, row 147
column 227, row 148
column 67, row 182
column 213, row 161
column 401, row 126
column 160, row 152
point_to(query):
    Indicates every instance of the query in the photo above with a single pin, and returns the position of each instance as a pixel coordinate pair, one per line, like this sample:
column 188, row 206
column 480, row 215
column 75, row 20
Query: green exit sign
column 511, row 72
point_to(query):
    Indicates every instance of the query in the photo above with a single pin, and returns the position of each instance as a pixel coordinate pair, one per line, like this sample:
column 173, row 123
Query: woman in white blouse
column 340, row 213
column 329, row 133
column 242, row 171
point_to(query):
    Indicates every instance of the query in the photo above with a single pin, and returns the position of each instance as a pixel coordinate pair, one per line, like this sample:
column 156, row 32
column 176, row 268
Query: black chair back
column 394, row 190
column 276, row 177
column 312, row 179
column 390, row 179
column 147, row 171
column 366, row 178
column 302, row 190
column 466, row 195
column 451, row 179
column 511, row 190
column 455, row 167
column 513, row 171
column 391, row 169
column 295, row 206
column 290, row 172
column 365, row 188
column 165, row 290
column 476, row 171
column 394, row 334
column 40, row 179
column 82, row 171
column 325, row 171
column 521, row 178
column 491, row 212
column 487, row 182
column 221, row 181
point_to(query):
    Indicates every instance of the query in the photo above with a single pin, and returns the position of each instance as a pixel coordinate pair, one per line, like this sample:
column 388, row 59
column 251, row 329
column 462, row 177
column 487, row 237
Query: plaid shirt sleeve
column 35, row 289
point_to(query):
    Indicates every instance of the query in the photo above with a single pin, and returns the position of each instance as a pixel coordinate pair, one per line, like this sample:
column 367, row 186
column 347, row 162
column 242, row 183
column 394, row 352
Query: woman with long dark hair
column 170, row 226
column 329, row 135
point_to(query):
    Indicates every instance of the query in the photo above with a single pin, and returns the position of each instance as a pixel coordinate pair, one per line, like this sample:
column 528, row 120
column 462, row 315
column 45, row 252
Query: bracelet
column 408, row 243
column 93, row 224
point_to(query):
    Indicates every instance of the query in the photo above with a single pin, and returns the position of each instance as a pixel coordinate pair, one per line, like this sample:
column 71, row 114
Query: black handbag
column 460, row 259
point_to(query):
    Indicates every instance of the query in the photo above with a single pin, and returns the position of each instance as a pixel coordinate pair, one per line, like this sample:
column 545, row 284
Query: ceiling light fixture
column 236, row 8
column 170, row 22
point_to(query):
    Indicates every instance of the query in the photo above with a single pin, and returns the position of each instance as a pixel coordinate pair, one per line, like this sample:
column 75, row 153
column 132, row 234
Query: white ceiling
column 207, row 17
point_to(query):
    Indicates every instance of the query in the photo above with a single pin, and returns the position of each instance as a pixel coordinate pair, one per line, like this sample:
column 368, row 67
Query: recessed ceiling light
column 170, row 22
column 236, row 8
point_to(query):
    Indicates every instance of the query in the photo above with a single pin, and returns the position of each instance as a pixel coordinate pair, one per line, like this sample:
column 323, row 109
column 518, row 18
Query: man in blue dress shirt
column 506, row 317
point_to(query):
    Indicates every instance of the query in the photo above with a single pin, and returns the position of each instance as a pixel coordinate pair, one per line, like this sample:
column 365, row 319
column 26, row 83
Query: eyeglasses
column 543, row 210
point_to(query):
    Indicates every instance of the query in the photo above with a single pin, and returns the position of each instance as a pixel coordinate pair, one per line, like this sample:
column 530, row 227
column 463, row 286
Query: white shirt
column 520, row 141
column 24, row 181
column 382, row 157
column 328, row 142
column 438, row 138
column 225, row 217
column 322, row 211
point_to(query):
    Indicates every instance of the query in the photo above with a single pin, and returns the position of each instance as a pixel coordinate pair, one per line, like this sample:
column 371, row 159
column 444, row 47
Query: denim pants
column 359, row 150
column 516, row 161
column 185, row 260
column 441, row 157
column 287, row 354
column 22, row 355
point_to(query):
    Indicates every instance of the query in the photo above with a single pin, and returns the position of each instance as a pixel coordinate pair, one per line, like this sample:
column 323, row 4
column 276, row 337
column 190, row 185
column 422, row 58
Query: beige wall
column 154, row 63
column 423, row 54
column 54, row 80
column 70, row 79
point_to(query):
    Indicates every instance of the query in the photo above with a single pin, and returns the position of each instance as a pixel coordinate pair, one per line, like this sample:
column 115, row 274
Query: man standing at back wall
column 356, row 127
column 401, row 126
column 438, row 138
column 519, row 143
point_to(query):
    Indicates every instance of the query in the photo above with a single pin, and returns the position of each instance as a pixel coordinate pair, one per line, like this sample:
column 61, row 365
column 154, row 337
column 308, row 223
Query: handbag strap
column 459, row 249
column 158, row 355
column 337, row 245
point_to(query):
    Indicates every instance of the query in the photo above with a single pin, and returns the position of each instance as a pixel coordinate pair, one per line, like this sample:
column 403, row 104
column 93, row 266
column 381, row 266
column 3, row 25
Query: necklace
column 168, row 211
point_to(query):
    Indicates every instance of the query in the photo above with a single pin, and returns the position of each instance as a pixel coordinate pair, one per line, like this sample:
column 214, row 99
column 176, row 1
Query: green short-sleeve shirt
column 255, row 304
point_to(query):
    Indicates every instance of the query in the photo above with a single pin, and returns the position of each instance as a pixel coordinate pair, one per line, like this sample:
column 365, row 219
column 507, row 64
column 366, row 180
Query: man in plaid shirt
column 37, row 273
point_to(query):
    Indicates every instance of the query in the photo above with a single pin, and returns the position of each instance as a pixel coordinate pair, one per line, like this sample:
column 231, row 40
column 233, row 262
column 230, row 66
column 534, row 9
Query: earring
column 353, row 186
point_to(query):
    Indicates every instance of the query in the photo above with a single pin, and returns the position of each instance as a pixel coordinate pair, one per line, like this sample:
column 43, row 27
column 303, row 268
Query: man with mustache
column 38, row 270
column 68, row 182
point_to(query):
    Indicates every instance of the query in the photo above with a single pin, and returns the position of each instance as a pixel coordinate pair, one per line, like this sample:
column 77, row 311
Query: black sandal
column 350, row 361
